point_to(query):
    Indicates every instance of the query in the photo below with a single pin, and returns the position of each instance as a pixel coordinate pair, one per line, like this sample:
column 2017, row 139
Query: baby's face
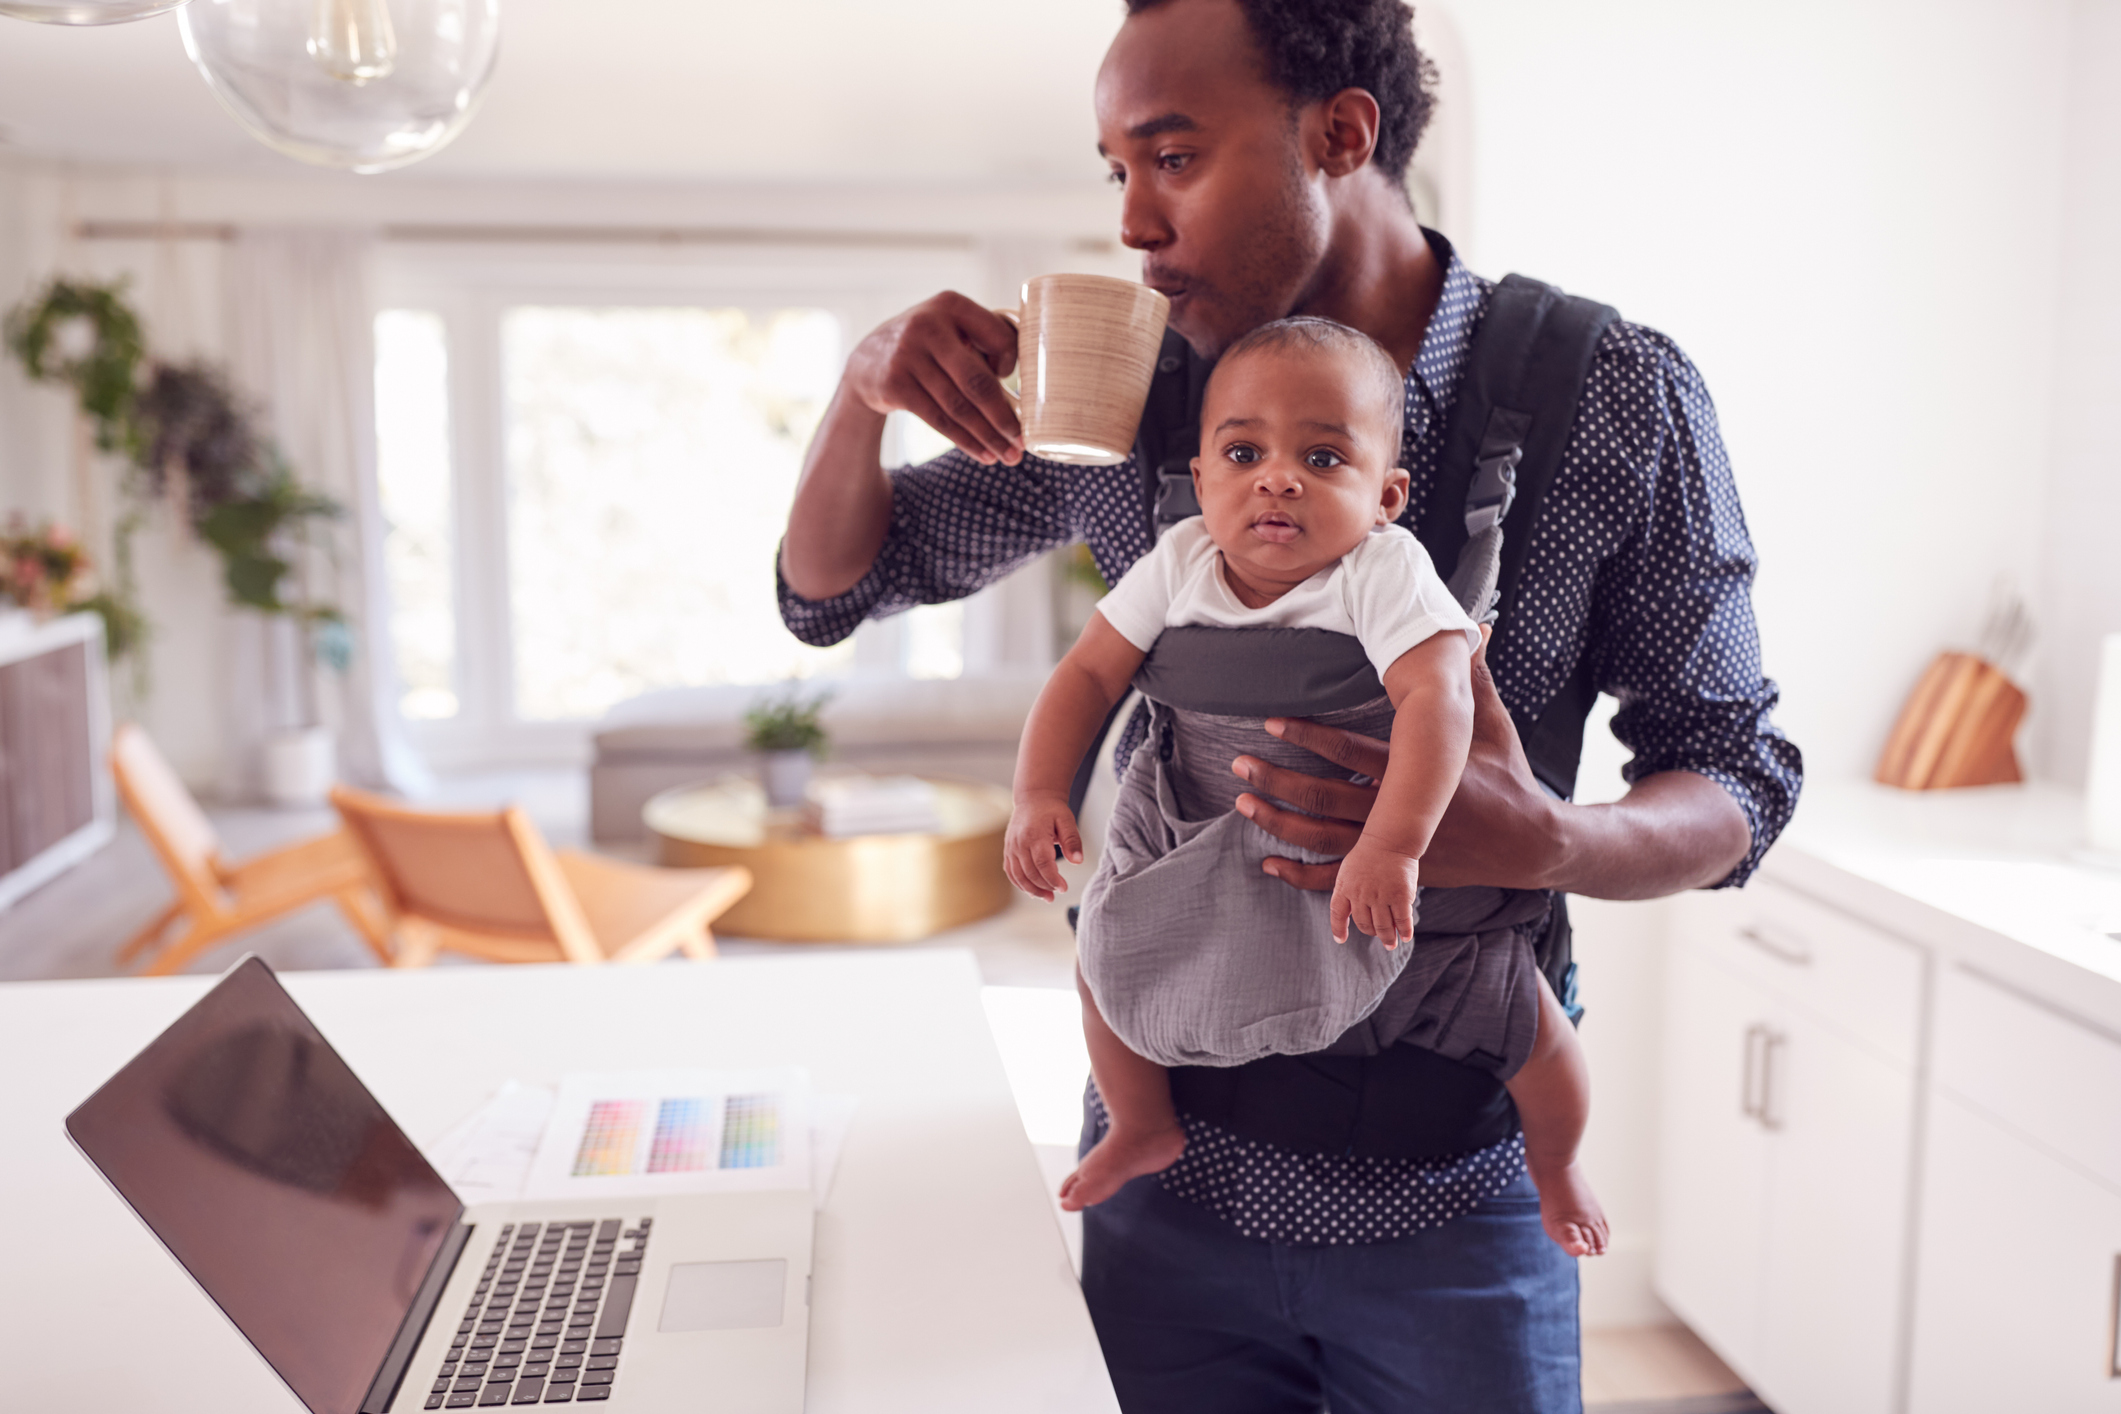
column 1295, row 465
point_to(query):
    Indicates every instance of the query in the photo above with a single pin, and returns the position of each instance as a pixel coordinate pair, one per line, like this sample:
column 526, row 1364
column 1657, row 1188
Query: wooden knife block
column 1956, row 729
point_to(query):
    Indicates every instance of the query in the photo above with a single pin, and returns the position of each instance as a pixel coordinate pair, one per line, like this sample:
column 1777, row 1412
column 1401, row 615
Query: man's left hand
column 1501, row 828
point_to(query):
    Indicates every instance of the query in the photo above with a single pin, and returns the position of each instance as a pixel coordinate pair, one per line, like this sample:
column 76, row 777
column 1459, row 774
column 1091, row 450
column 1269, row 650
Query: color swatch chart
column 751, row 1132
column 685, row 1139
column 610, row 1138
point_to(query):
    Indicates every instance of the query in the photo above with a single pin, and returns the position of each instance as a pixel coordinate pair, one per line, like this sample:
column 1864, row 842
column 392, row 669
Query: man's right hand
column 943, row 361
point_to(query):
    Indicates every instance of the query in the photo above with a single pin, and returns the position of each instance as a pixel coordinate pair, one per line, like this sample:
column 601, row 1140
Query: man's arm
column 1674, row 830
column 942, row 361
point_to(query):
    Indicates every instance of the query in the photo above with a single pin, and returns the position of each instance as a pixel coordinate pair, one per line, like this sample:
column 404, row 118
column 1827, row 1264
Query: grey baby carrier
column 1515, row 412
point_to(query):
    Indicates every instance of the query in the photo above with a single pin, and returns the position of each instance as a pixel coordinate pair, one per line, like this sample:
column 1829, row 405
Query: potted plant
column 786, row 733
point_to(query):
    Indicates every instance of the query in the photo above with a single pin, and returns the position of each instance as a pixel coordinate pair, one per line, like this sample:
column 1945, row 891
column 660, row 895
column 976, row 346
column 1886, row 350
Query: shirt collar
column 1440, row 365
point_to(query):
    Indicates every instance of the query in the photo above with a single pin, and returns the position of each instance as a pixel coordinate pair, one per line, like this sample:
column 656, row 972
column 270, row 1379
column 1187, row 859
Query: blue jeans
column 1476, row 1316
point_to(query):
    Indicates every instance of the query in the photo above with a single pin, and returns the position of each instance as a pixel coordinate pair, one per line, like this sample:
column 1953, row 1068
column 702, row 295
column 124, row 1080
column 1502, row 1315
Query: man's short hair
column 1315, row 48
column 1305, row 332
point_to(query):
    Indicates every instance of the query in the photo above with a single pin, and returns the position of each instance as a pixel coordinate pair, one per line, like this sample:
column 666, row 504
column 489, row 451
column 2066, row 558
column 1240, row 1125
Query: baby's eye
column 1322, row 459
column 1243, row 453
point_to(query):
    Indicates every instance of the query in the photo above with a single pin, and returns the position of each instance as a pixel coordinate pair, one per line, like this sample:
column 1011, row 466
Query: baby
column 1300, row 491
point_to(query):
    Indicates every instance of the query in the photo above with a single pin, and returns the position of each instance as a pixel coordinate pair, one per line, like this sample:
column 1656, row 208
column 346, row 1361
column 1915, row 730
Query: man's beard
column 1281, row 258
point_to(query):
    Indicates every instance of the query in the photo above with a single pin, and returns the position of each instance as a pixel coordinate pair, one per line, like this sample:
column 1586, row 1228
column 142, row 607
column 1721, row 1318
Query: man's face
column 1295, row 466
column 1216, row 194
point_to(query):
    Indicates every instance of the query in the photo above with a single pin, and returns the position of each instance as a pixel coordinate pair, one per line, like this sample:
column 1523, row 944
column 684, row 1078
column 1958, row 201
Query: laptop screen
column 271, row 1173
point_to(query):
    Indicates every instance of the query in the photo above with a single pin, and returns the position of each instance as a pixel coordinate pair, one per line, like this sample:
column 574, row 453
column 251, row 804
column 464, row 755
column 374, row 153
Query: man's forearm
column 1674, row 831
column 842, row 506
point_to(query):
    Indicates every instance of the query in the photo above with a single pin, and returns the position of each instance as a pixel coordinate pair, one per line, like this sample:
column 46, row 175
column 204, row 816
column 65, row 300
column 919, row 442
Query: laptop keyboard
column 549, row 1318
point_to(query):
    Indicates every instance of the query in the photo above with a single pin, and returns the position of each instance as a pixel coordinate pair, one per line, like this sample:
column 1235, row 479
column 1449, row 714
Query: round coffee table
column 863, row 888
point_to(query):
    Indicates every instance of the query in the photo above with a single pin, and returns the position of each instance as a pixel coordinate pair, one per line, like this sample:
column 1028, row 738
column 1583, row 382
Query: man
column 1261, row 148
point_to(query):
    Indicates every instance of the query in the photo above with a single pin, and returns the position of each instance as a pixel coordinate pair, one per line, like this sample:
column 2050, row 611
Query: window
column 585, row 472
column 651, row 456
column 413, row 472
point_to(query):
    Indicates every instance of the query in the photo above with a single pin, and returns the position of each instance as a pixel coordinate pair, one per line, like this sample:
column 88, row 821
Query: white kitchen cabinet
column 2020, row 1255
column 2019, row 1265
column 1788, row 1145
column 1713, row 1178
column 1839, row 1159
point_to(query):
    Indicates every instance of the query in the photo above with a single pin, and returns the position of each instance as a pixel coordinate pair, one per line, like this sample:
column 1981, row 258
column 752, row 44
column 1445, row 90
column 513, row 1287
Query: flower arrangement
column 43, row 570
column 46, row 571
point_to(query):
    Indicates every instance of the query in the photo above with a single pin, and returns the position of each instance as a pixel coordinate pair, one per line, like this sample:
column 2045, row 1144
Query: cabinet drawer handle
column 1750, row 1101
column 1782, row 950
column 1770, row 1055
column 2113, row 1326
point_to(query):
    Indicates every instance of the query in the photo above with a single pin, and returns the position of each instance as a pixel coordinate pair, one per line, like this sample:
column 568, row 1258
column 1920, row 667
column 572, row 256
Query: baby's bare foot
column 1569, row 1211
column 1119, row 1156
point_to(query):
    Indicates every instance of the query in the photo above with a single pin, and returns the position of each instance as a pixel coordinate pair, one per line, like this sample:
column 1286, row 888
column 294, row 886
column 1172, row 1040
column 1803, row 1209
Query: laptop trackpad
column 724, row 1296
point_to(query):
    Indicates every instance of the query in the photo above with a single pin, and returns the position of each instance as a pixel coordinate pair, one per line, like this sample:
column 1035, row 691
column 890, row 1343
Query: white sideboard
column 1890, row 1171
column 56, row 804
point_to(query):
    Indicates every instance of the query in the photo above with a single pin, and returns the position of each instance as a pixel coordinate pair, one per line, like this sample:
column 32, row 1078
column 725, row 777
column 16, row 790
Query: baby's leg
column 1553, row 1095
column 1144, row 1135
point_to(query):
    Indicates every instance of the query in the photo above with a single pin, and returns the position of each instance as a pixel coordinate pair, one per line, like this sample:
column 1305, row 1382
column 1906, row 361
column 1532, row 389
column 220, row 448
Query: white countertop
column 2000, row 876
column 942, row 1282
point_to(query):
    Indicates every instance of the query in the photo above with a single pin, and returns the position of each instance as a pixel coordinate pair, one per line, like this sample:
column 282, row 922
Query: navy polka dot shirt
column 1639, row 561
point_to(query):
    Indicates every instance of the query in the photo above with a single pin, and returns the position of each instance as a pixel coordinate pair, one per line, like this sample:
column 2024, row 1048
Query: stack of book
column 873, row 805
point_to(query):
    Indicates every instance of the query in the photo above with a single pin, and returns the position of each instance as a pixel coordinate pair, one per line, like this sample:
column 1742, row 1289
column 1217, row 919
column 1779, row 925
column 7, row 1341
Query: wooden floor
column 73, row 926
column 1658, row 1370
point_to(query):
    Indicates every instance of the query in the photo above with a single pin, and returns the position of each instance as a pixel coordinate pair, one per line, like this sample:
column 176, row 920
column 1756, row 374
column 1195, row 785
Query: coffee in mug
column 1086, row 351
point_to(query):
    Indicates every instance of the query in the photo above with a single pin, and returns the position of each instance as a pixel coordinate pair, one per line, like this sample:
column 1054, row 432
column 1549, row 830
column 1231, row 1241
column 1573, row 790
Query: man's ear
column 1394, row 499
column 1195, row 465
column 1346, row 132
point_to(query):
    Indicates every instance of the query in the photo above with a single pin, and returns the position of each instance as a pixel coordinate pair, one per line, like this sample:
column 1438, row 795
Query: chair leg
column 417, row 944
column 699, row 946
column 145, row 938
column 360, row 909
column 188, row 945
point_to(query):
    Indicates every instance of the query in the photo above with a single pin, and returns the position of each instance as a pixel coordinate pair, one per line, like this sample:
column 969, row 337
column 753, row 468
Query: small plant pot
column 300, row 766
column 786, row 776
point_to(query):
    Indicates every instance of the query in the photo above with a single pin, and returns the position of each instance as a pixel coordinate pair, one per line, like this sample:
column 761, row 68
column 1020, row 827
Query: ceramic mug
column 1086, row 350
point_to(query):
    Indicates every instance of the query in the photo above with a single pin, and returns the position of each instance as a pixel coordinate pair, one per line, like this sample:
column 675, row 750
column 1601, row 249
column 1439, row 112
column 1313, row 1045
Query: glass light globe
column 85, row 12
column 365, row 85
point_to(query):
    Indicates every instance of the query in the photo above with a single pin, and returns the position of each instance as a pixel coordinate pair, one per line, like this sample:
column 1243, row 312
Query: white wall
column 1847, row 212
column 2081, row 595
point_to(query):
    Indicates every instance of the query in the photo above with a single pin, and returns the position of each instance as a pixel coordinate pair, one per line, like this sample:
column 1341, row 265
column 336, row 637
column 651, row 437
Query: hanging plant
column 87, row 337
column 192, row 426
column 192, row 439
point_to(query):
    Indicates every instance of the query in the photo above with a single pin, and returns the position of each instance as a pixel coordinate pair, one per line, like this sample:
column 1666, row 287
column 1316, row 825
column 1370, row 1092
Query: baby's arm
column 1431, row 686
column 1070, row 709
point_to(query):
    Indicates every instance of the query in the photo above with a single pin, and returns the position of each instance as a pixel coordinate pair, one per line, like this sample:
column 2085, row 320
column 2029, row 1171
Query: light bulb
column 352, row 39
column 346, row 83
column 85, row 12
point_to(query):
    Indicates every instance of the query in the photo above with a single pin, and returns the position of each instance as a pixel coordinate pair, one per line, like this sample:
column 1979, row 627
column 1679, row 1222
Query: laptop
column 264, row 1165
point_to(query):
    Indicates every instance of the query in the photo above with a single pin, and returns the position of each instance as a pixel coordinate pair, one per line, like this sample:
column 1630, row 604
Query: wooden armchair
column 487, row 884
column 215, row 898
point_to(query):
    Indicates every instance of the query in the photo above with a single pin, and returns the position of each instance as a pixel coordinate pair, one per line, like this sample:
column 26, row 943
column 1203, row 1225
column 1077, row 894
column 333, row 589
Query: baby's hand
column 1375, row 891
column 1036, row 826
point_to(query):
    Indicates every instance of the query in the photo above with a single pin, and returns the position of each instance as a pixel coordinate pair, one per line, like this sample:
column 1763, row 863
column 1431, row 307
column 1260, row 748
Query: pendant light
column 85, row 12
column 363, row 85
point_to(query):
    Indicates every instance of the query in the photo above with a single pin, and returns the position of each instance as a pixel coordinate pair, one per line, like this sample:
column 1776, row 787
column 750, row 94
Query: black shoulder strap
column 1516, row 409
column 1169, row 436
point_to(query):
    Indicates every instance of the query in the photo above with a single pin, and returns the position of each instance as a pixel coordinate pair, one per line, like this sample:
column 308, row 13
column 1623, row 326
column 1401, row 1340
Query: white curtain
column 301, row 341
